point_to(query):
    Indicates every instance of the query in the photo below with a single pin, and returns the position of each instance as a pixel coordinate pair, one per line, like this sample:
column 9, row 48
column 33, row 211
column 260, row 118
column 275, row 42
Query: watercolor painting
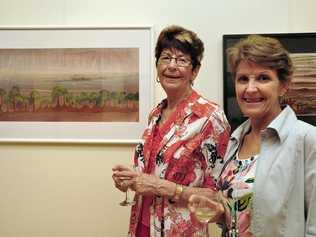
column 75, row 84
column 81, row 84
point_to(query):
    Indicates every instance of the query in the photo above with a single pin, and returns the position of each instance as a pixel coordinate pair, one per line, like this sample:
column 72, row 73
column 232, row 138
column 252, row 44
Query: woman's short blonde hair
column 265, row 51
column 182, row 39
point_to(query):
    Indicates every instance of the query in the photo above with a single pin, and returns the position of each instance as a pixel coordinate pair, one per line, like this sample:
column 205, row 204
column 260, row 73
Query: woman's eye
column 242, row 79
column 164, row 58
column 182, row 60
column 263, row 77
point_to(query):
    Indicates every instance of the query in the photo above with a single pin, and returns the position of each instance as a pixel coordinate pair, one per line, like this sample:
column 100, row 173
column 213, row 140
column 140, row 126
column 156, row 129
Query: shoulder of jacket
column 305, row 128
column 305, row 131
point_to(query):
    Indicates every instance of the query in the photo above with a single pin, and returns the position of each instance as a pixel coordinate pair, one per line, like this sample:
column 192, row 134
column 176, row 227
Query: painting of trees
column 69, row 84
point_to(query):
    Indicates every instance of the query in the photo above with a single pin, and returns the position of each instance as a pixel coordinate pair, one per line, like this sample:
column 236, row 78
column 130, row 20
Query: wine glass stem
column 203, row 230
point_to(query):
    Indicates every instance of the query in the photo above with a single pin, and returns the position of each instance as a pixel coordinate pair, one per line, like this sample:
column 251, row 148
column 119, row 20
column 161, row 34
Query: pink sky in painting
column 69, row 61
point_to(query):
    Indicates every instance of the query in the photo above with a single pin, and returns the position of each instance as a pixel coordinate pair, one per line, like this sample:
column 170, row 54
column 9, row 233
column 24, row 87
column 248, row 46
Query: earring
column 282, row 100
column 157, row 79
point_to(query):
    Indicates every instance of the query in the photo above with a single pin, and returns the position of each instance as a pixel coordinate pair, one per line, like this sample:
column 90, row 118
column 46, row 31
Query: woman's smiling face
column 178, row 73
column 258, row 89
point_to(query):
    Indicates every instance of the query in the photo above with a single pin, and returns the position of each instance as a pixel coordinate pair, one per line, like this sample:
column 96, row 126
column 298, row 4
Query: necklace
column 233, row 232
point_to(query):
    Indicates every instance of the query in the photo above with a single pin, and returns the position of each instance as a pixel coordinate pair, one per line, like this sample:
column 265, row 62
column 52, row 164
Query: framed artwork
column 302, row 94
column 75, row 84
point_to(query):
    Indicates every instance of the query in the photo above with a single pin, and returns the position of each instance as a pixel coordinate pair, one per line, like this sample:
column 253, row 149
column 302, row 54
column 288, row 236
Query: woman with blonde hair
column 268, row 183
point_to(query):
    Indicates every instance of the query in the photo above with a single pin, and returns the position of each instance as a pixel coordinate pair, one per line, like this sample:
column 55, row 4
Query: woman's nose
column 252, row 85
column 173, row 62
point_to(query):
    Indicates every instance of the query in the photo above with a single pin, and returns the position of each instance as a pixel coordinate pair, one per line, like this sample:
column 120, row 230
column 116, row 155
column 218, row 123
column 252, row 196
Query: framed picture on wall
column 75, row 84
column 302, row 94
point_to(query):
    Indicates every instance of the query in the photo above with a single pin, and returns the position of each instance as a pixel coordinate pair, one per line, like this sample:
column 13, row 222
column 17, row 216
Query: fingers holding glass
column 124, row 178
column 119, row 184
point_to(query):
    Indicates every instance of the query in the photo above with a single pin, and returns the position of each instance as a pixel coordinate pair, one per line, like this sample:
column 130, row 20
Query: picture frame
column 77, row 84
column 302, row 94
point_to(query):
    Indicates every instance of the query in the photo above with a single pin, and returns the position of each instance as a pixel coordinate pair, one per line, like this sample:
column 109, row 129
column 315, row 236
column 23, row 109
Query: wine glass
column 129, row 194
column 203, row 209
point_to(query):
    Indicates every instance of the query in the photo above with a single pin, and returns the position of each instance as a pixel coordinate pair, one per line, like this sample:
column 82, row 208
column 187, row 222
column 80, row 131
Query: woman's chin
column 253, row 114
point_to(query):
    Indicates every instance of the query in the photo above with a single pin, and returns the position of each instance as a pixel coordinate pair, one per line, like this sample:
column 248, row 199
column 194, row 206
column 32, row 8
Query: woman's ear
column 284, row 88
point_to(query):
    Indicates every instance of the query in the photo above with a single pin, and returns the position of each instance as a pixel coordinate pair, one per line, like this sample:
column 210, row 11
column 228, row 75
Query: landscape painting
column 77, row 84
column 69, row 84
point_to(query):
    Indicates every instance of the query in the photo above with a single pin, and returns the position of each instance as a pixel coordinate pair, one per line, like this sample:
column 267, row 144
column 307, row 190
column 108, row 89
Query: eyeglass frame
column 168, row 59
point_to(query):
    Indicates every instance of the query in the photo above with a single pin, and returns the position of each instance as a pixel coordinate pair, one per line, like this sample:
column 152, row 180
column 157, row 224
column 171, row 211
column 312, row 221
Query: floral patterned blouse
column 190, row 153
column 236, row 183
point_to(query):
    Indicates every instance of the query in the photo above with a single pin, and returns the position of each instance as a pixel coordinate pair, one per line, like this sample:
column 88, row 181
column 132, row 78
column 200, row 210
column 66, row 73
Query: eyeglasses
column 180, row 62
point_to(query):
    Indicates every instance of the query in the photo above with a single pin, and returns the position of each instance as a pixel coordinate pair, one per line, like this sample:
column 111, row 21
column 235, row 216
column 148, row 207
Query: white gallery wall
column 49, row 190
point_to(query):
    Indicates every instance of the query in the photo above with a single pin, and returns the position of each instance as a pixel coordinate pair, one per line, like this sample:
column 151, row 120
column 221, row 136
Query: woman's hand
column 141, row 183
column 146, row 184
column 211, row 202
column 123, row 177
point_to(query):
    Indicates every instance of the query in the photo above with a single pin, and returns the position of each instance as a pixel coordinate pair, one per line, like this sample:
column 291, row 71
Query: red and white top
column 187, row 149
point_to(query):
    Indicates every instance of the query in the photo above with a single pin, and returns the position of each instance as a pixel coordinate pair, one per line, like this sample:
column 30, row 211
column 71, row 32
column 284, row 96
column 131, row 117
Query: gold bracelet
column 178, row 192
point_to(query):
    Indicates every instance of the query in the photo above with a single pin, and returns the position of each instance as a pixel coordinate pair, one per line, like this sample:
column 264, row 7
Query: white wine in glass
column 204, row 214
column 200, row 207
